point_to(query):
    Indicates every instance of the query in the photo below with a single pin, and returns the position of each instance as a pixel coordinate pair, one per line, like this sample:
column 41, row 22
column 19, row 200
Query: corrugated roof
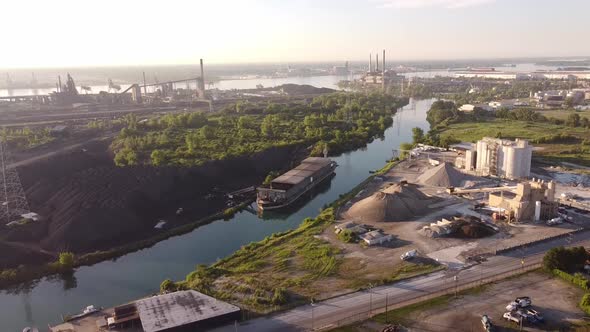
column 166, row 311
column 306, row 169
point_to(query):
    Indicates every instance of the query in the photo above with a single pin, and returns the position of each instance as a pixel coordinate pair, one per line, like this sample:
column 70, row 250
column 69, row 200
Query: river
column 325, row 81
column 140, row 273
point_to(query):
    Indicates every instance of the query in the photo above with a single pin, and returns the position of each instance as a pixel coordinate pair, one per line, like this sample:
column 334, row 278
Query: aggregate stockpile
column 398, row 202
column 88, row 203
column 445, row 175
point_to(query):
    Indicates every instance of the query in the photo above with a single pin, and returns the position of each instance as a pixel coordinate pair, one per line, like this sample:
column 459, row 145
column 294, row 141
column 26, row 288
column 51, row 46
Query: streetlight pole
column 370, row 299
column 386, row 307
column 312, row 305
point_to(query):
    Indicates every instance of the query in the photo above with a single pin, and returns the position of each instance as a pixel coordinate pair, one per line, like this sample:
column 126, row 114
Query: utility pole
column 312, row 305
column 386, row 306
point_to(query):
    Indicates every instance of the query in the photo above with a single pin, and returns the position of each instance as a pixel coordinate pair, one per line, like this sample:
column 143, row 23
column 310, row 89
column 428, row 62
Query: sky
column 68, row 33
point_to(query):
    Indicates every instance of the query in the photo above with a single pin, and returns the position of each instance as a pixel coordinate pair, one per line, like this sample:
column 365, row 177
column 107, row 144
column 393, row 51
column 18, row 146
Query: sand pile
column 395, row 203
column 445, row 175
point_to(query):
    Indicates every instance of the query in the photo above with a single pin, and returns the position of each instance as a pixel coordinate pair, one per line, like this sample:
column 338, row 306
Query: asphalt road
column 346, row 309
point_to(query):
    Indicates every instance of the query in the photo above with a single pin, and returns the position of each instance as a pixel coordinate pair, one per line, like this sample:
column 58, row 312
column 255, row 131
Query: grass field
column 563, row 114
column 295, row 266
column 574, row 149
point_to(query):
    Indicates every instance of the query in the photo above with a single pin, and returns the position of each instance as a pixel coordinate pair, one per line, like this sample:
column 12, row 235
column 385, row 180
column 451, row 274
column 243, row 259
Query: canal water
column 140, row 273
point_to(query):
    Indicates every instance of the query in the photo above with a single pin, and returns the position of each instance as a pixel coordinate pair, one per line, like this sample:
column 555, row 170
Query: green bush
column 279, row 296
column 66, row 260
column 585, row 303
column 578, row 280
column 167, row 286
column 347, row 236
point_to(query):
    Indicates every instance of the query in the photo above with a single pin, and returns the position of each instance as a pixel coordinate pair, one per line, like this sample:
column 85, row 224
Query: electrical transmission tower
column 12, row 195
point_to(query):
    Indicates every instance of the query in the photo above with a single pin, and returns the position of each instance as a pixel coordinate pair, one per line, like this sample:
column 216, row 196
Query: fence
column 382, row 304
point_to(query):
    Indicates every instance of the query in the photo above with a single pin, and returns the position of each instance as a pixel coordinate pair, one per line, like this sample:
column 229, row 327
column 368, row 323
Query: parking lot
column 553, row 298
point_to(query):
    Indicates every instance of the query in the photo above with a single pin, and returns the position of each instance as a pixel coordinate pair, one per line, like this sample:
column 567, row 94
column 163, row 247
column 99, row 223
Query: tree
column 269, row 125
column 569, row 102
column 207, row 132
column 158, row 157
column 573, row 120
column 245, row 122
column 565, row 259
column 66, row 260
column 417, row 135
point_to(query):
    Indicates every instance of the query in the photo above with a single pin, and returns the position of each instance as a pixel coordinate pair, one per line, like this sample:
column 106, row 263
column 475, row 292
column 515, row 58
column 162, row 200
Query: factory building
column 496, row 157
column 181, row 311
column 532, row 200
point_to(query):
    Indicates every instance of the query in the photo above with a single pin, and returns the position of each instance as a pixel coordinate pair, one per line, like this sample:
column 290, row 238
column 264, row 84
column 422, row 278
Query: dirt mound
column 88, row 203
column 395, row 203
column 445, row 175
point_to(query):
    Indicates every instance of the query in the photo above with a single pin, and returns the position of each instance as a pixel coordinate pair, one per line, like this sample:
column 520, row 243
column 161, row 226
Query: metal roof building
column 305, row 170
column 184, row 311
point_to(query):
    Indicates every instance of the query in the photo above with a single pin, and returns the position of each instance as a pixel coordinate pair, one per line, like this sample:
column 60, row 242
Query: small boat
column 87, row 311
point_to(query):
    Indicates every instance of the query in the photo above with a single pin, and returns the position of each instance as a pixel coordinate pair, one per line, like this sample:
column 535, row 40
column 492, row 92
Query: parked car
column 487, row 323
column 512, row 316
column 535, row 314
column 554, row 221
column 523, row 301
column 526, row 316
column 519, row 302
column 409, row 255
column 512, row 306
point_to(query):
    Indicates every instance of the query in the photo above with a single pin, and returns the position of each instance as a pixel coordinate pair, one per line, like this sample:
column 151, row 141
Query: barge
column 288, row 187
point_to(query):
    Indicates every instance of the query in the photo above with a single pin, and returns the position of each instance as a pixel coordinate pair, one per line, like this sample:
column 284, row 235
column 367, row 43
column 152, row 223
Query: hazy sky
column 39, row 33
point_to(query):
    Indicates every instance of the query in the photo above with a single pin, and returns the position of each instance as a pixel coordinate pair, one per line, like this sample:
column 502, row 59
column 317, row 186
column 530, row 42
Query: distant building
column 468, row 108
column 496, row 105
column 375, row 237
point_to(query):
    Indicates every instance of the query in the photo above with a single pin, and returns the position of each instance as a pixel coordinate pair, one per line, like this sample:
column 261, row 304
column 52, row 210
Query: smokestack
column 144, row 85
column 383, row 72
column 377, row 62
column 59, row 82
column 370, row 62
column 202, row 77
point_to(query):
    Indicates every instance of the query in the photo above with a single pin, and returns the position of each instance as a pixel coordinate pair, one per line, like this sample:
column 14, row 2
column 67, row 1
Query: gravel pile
column 398, row 202
column 445, row 175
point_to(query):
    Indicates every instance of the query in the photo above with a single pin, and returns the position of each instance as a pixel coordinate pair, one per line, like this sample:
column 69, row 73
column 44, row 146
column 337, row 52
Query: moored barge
column 288, row 187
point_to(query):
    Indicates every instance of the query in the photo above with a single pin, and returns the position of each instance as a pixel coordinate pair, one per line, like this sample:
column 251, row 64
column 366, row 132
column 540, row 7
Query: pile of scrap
column 398, row 202
column 445, row 175
column 464, row 227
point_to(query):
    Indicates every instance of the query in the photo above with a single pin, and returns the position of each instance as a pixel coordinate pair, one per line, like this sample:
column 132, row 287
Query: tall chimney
column 202, row 76
column 383, row 72
column 370, row 62
column 59, row 80
column 144, row 85
column 377, row 62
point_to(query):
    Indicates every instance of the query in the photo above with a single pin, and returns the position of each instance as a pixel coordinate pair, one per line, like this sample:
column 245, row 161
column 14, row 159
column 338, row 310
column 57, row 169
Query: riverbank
column 146, row 194
column 290, row 268
column 139, row 273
